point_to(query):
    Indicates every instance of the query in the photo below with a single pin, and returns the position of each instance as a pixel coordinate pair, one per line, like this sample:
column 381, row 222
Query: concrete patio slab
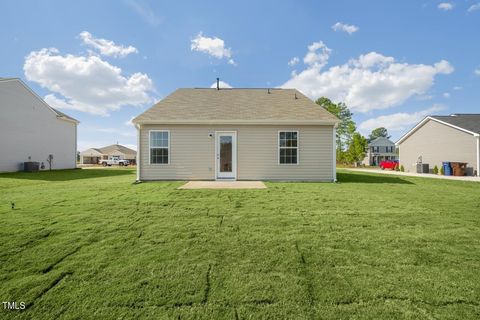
column 223, row 185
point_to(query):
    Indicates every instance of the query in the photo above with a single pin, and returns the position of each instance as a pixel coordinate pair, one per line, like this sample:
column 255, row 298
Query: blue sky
column 103, row 62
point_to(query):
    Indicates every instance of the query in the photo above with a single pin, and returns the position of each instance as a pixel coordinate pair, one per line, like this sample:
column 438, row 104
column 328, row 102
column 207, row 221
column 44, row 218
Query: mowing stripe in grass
column 51, row 266
column 207, row 285
column 54, row 283
column 308, row 280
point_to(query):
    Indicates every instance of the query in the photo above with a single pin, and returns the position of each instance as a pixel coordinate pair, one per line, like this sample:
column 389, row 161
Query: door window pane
column 226, row 153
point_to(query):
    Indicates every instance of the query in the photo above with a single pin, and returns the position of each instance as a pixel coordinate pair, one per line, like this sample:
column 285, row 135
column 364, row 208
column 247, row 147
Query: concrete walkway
column 412, row 174
column 223, row 185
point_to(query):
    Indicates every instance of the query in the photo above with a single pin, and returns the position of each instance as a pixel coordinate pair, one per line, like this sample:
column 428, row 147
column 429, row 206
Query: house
column 242, row 134
column 378, row 150
column 437, row 139
column 31, row 130
column 115, row 151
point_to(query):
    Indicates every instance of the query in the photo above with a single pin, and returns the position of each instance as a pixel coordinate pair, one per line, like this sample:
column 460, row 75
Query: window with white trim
column 159, row 147
column 288, row 147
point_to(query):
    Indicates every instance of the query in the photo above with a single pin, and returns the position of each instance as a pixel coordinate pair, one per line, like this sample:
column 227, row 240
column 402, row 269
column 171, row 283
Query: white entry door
column 226, row 154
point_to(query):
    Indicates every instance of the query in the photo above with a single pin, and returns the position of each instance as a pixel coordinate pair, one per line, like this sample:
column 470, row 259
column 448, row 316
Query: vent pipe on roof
column 218, row 83
column 268, row 90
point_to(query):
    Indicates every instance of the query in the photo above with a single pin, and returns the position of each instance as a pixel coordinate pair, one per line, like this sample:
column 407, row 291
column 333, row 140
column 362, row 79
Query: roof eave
column 241, row 122
column 427, row 118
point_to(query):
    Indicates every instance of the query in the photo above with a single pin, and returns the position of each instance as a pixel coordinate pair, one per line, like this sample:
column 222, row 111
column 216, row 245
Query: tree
column 356, row 149
column 377, row 133
column 345, row 129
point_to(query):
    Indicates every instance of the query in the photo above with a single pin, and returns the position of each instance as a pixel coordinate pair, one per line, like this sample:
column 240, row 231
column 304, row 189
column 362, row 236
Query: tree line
column 351, row 145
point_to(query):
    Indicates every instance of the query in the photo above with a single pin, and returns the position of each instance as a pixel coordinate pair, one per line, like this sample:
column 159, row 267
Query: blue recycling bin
column 447, row 168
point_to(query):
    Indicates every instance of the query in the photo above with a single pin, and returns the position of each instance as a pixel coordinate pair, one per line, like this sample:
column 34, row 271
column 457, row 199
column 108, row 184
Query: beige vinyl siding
column 437, row 143
column 192, row 153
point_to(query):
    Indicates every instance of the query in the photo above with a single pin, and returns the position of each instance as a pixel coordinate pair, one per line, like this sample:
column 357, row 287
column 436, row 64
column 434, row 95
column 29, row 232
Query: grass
column 86, row 244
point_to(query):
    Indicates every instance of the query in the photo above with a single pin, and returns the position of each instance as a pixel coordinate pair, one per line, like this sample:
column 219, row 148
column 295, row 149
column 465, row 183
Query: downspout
column 138, row 160
column 478, row 154
column 334, row 153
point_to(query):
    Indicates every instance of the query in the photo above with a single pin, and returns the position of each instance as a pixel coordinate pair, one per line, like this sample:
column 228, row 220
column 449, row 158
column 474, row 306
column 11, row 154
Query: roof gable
column 236, row 106
column 58, row 114
column 457, row 121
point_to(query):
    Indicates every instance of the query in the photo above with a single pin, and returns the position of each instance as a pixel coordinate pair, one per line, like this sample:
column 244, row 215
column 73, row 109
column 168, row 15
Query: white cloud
column 214, row 47
column 477, row 72
column 445, row 6
column 222, row 84
column 86, row 84
column 398, row 121
column 293, row 61
column 106, row 47
column 348, row 28
column 317, row 55
column 372, row 81
column 474, row 7
column 145, row 11
column 446, row 95
column 457, row 88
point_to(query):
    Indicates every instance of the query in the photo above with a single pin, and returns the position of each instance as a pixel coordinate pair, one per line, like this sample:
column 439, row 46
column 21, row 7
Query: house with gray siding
column 437, row 139
column 378, row 150
column 31, row 130
column 238, row 134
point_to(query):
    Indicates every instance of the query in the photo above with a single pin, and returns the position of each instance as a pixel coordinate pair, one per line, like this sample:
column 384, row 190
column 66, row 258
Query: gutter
column 241, row 122
column 478, row 153
column 138, row 160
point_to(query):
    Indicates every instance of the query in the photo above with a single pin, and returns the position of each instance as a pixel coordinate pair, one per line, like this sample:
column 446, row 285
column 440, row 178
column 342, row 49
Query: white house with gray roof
column 379, row 150
column 31, row 130
column 242, row 134
column 437, row 139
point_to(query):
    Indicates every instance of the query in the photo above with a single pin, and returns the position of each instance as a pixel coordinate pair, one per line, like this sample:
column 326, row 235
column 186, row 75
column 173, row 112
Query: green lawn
column 88, row 244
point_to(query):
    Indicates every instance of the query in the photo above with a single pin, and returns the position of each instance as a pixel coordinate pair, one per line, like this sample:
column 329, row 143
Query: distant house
column 114, row 151
column 242, row 134
column 31, row 130
column 437, row 139
column 378, row 150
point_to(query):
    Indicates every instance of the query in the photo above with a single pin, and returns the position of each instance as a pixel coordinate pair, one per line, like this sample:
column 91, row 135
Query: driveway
column 412, row 174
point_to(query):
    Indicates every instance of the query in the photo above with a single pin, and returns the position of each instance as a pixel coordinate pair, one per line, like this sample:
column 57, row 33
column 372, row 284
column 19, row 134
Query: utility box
column 423, row 168
column 31, row 166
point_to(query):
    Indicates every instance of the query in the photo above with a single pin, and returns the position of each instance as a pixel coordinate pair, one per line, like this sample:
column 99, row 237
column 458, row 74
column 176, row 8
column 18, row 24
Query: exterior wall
column 30, row 129
column 437, row 143
column 192, row 153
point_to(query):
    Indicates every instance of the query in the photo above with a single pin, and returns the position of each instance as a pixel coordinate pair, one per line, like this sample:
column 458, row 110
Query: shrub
column 402, row 168
column 442, row 172
column 435, row 169
column 397, row 168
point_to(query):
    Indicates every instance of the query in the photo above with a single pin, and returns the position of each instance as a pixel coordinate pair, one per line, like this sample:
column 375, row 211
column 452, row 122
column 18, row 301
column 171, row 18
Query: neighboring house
column 244, row 134
column 31, row 130
column 437, row 139
column 378, row 150
column 115, row 151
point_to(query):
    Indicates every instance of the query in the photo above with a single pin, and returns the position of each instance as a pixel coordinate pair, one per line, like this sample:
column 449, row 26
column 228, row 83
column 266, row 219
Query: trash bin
column 459, row 168
column 31, row 166
column 425, row 168
column 447, row 169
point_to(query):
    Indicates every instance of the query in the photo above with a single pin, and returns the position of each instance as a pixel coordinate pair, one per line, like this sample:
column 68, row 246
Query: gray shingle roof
column 470, row 122
column 114, row 147
column 236, row 105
